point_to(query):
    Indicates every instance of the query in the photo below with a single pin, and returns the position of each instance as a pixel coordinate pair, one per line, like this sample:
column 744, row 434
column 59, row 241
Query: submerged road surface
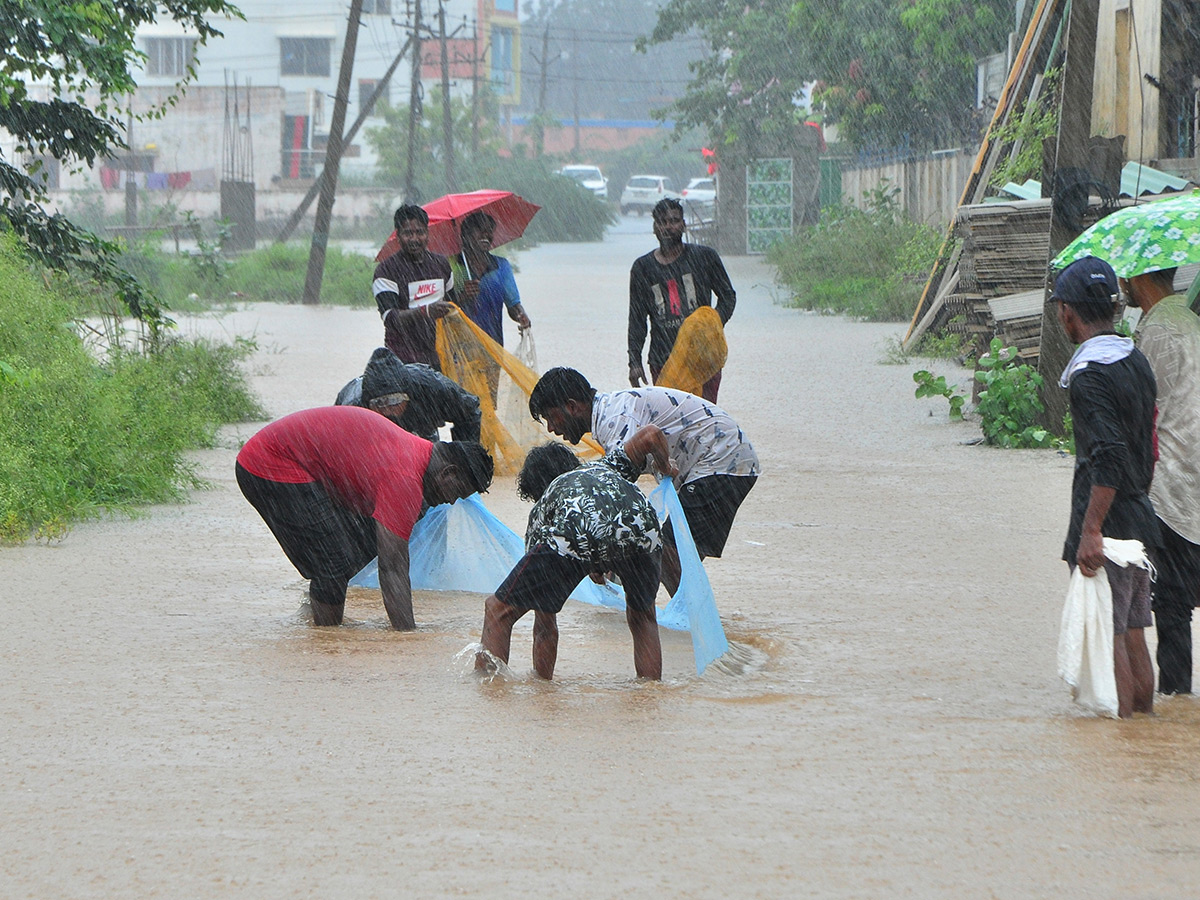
column 174, row 727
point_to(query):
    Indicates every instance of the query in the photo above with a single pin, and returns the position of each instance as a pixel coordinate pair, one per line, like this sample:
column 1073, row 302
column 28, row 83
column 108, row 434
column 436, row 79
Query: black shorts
column 543, row 580
column 320, row 537
column 710, row 504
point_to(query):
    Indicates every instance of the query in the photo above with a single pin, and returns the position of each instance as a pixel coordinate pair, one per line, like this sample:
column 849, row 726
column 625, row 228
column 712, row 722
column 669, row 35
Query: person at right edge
column 1169, row 335
column 1112, row 392
column 666, row 286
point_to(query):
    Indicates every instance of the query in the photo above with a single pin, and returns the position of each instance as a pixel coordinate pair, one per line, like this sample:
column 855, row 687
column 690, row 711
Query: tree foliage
column 390, row 140
column 888, row 72
column 745, row 88
column 66, row 67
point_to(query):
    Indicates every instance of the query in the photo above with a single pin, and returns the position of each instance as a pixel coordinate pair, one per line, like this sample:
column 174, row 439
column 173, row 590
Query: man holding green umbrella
column 1169, row 336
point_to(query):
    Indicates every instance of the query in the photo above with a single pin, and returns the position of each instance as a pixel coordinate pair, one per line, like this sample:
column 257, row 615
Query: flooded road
column 894, row 726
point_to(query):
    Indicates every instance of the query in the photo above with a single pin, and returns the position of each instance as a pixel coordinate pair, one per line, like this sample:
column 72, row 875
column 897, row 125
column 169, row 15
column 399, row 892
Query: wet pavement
column 892, row 725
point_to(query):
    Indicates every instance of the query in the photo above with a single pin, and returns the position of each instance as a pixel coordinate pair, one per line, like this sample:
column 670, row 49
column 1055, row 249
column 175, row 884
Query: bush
column 870, row 264
column 77, row 434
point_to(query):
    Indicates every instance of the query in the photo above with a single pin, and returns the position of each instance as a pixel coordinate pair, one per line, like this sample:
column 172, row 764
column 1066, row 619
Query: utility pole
column 575, row 86
column 414, row 106
column 544, row 62
column 333, row 159
column 363, row 115
column 474, row 59
column 447, row 118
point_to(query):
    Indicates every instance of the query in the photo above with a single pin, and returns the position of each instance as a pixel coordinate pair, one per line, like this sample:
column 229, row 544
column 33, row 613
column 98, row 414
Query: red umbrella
column 511, row 212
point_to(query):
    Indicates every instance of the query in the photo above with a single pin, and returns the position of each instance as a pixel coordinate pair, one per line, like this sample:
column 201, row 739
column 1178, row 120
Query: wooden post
column 1074, row 133
column 333, row 158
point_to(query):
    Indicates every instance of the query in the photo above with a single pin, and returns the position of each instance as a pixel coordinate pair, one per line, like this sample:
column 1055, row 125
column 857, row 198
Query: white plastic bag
column 526, row 352
column 1085, row 638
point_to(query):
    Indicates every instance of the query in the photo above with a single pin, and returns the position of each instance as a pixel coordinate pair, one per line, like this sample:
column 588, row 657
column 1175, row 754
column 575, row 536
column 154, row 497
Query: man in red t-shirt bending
column 340, row 485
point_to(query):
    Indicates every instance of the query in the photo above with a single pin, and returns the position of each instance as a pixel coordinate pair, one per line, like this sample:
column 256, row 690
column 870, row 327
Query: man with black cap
column 1112, row 392
column 417, row 398
column 339, row 485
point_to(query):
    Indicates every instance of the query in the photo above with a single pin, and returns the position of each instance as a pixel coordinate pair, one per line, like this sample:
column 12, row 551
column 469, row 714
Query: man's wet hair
column 542, row 466
column 1163, row 278
column 660, row 208
column 555, row 388
column 407, row 212
column 476, row 221
column 471, row 458
column 1096, row 309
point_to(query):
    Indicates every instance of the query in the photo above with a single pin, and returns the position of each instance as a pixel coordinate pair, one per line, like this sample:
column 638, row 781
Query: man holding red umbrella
column 413, row 289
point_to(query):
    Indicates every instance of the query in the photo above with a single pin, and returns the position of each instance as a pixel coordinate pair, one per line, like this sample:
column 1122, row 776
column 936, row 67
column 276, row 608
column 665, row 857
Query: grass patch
column 79, row 434
column 194, row 280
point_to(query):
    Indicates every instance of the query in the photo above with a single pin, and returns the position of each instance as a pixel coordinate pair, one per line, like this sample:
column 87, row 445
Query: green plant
column 1026, row 132
column 81, row 432
column 1008, row 402
column 929, row 386
column 868, row 263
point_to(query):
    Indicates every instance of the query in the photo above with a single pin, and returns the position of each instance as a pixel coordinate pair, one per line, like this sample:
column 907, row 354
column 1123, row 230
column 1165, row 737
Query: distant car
column 644, row 191
column 589, row 177
column 701, row 190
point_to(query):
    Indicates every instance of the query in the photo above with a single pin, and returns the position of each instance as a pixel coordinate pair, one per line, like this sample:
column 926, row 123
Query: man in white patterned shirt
column 717, row 464
column 1168, row 334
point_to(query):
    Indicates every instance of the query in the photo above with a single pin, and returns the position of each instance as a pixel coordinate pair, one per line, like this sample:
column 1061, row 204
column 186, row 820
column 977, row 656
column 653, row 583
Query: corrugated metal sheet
column 1136, row 181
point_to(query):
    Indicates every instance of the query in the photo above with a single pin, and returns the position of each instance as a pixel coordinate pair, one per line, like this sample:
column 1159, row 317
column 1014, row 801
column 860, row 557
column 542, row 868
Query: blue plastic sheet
column 693, row 604
column 464, row 547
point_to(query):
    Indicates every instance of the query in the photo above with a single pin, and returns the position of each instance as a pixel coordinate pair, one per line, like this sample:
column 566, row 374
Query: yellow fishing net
column 503, row 384
column 699, row 353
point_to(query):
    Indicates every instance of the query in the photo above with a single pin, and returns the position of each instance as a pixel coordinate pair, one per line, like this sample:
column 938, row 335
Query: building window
column 366, row 87
column 502, row 60
column 169, row 56
column 304, row 56
column 509, row 6
column 379, row 7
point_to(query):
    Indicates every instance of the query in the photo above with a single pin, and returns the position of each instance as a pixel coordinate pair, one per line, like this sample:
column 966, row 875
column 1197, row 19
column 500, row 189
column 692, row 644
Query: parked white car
column 644, row 191
column 701, row 190
column 589, row 177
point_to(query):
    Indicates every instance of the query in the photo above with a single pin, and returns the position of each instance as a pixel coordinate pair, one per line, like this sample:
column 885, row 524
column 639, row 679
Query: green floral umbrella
column 1144, row 238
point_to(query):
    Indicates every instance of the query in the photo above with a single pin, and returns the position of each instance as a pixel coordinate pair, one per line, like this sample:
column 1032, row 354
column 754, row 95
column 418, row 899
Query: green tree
column 888, row 72
column 83, row 52
column 899, row 72
column 472, row 141
column 747, row 85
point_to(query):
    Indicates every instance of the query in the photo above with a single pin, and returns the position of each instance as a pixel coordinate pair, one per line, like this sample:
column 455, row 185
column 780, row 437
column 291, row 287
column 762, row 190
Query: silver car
column 644, row 191
column 589, row 177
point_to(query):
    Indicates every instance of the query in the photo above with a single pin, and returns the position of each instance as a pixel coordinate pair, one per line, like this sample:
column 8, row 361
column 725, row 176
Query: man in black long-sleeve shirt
column 1112, row 391
column 414, row 396
column 666, row 286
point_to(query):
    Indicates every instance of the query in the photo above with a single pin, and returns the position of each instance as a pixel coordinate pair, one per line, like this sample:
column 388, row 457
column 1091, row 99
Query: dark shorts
column 1130, row 587
column 543, row 580
column 1177, row 587
column 710, row 504
column 321, row 538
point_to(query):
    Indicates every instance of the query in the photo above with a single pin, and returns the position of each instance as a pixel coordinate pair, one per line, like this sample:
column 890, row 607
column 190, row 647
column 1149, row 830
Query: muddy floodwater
column 891, row 724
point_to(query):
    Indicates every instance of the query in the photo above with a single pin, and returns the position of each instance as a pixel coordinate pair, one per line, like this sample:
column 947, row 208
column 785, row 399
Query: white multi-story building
column 284, row 59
